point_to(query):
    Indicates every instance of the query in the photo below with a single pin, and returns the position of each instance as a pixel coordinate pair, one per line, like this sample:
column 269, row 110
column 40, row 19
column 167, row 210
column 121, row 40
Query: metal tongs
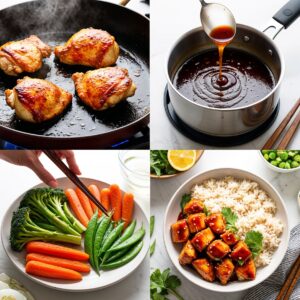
column 74, row 178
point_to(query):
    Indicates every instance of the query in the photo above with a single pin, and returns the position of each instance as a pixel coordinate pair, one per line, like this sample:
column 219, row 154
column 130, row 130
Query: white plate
column 90, row 281
column 173, row 250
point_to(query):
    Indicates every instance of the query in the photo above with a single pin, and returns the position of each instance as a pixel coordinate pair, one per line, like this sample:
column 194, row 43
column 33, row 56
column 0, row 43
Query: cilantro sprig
column 184, row 200
column 230, row 218
column 163, row 284
column 159, row 163
column 254, row 241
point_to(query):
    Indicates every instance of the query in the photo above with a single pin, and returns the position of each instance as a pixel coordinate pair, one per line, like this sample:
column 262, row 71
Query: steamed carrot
column 56, row 250
column 77, row 207
column 116, row 201
column 96, row 193
column 59, row 262
column 105, row 198
column 85, row 202
column 127, row 208
column 45, row 270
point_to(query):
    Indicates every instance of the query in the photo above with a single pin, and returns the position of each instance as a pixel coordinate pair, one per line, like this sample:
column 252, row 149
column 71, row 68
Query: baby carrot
column 96, row 193
column 127, row 208
column 59, row 262
column 105, row 198
column 116, row 201
column 76, row 206
column 45, row 270
column 85, row 202
column 56, row 250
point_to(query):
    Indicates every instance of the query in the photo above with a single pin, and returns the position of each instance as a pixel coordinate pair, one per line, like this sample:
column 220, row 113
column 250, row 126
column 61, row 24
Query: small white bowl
column 276, row 169
column 173, row 250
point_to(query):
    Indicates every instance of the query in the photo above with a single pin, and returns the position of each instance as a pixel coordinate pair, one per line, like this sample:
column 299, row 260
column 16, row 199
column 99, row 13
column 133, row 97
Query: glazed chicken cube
column 241, row 252
column 247, row 271
column 187, row 254
column 180, row 231
column 224, row 270
column 216, row 222
column 229, row 238
column 205, row 268
column 217, row 250
column 194, row 206
column 202, row 239
column 196, row 222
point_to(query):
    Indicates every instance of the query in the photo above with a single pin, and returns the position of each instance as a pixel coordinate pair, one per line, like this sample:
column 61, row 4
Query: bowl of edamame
column 282, row 161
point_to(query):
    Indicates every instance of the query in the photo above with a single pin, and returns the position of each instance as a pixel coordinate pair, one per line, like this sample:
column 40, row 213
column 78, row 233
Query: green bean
column 131, row 254
column 89, row 237
column 100, row 232
column 112, row 237
column 126, row 234
column 152, row 247
column 152, row 222
column 137, row 236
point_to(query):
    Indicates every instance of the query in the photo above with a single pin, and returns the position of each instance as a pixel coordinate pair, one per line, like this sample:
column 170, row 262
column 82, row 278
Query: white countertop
column 171, row 18
column 287, row 185
column 101, row 165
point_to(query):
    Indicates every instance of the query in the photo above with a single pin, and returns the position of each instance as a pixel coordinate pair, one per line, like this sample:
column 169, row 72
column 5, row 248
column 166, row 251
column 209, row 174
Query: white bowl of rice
column 259, row 207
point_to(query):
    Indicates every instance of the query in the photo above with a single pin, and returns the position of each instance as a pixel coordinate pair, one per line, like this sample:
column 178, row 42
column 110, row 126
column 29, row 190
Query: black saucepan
column 54, row 21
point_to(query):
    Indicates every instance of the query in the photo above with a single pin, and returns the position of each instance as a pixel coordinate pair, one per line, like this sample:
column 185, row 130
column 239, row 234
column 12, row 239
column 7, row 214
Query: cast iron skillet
column 54, row 21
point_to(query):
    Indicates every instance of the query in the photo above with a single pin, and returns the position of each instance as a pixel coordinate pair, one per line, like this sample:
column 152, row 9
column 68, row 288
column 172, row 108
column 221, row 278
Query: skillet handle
column 288, row 13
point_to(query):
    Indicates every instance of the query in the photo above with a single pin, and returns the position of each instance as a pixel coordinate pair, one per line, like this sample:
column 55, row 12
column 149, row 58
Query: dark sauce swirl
column 244, row 80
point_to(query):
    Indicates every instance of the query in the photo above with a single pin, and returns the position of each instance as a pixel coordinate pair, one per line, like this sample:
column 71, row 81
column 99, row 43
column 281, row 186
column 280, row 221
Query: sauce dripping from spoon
column 222, row 36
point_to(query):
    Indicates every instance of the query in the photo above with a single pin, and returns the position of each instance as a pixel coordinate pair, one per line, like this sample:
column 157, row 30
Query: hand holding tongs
column 73, row 177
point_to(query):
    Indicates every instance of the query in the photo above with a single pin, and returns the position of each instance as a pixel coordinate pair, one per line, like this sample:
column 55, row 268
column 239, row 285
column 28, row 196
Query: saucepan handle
column 288, row 13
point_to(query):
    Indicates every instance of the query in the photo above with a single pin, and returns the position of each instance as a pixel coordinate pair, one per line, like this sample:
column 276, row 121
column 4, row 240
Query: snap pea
column 137, row 236
column 131, row 254
column 100, row 232
column 115, row 255
column 126, row 234
column 89, row 237
column 112, row 237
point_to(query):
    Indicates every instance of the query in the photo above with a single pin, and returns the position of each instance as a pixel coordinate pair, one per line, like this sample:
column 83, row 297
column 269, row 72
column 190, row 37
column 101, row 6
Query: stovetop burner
column 210, row 140
column 139, row 141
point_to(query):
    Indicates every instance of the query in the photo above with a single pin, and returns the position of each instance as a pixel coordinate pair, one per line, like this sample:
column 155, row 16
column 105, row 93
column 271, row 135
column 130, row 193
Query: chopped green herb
column 230, row 218
column 205, row 210
column 254, row 240
column 152, row 222
column 240, row 262
column 159, row 164
column 152, row 248
column 184, row 200
column 163, row 284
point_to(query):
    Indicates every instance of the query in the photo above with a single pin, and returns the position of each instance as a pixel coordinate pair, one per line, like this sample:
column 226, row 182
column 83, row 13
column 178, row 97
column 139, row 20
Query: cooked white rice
column 254, row 208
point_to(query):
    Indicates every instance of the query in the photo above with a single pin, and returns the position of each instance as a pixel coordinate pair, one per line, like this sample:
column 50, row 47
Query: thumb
column 42, row 173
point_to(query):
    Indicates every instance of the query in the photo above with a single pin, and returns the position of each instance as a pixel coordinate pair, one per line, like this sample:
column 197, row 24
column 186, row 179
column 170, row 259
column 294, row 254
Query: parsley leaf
column 184, row 200
column 230, row 218
column 162, row 284
column 254, row 240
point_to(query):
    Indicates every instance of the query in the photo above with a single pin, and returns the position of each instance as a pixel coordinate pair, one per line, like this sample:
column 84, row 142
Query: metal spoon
column 214, row 15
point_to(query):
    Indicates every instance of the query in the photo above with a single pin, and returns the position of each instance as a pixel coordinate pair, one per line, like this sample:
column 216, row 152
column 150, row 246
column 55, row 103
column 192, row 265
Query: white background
column 287, row 185
column 101, row 165
column 171, row 18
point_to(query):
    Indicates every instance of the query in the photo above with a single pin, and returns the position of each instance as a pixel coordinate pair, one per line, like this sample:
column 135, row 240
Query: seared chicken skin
column 89, row 47
column 37, row 100
column 23, row 56
column 103, row 88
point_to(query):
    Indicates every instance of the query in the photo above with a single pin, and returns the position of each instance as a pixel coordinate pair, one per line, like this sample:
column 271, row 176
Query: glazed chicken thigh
column 103, row 88
column 37, row 100
column 89, row 47
column 23, row 56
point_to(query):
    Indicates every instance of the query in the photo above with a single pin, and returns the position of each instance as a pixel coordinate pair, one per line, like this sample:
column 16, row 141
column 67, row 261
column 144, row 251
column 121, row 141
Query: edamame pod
column 131, row 254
